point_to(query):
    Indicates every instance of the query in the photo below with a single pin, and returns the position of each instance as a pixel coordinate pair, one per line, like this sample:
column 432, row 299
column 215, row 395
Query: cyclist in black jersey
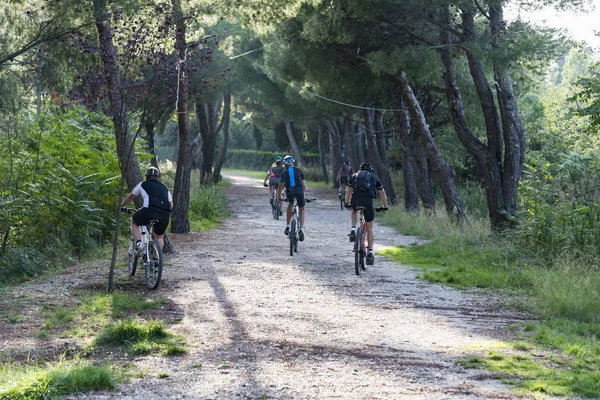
column 274, row 176
column 363, row 187
column 158, row 203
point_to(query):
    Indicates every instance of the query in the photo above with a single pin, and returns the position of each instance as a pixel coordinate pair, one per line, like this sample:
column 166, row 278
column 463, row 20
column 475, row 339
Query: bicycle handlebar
column 378, row 209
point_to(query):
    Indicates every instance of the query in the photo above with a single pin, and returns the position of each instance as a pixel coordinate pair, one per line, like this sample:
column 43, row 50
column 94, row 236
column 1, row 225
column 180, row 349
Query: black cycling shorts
column 367, row 203
column 274, row 182
column 144, row 215
column 343, row 179
column 296, row 193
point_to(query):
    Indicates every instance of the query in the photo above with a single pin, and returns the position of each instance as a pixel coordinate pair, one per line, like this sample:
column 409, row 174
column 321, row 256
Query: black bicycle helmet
column 288, row 160
column 152, row 173
column 366, row 167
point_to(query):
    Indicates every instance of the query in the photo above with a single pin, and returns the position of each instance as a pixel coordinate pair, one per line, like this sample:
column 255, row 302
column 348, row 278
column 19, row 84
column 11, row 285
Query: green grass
column 208, row 206
column 141, row 338
column 48, row 381
column 560, row 355
column 92, row 313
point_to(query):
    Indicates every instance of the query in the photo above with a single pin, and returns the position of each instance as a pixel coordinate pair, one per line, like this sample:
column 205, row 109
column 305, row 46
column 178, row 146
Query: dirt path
column 262, row 324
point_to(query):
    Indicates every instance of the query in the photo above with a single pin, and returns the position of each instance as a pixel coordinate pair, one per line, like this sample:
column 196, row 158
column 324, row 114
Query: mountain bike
column 342, row 195
column 295, row 226
column 150, row 255
column 360, row 248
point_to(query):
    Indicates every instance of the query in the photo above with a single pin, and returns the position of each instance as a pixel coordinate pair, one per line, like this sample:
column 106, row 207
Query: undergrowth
column 559, row 354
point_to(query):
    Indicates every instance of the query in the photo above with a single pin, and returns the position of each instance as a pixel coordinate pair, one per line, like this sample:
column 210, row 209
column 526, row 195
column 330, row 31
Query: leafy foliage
column 59, row 188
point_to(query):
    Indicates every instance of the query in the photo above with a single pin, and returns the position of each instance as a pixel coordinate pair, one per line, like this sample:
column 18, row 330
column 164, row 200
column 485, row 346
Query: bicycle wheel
column 342, row 198
column 357, row 250
column 292, row 236
column 132, row 263
column 363, row 252
column 154, row 266
column 277, row 208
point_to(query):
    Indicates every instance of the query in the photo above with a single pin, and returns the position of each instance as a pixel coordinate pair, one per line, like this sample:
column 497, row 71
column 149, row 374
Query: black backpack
column 363, row 182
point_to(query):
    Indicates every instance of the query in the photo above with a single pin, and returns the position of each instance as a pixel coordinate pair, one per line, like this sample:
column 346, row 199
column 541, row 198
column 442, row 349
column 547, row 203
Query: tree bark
column 335, row 148
column 180, row 222
column 349, row 132
column 444, row 171
column 322, row 156
column 411, row 196
column 512, row 128
column 223, row 153
column 118, row 109
column 293, row 144
column 381, row 169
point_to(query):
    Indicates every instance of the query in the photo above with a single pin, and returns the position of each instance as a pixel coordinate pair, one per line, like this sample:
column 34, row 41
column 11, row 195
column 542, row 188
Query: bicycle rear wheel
column 277, row 208
column 363, row 251
column 154, row 266
column 292, row 236
column 342, row 198
column 357, row 250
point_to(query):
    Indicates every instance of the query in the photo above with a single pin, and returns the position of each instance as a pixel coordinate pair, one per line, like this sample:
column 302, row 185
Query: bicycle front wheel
column 277, row 208
column 153, row 265
column 292, row 236
column 132, row 263
column 342, row 198
column 363, row 251
column 357, row 250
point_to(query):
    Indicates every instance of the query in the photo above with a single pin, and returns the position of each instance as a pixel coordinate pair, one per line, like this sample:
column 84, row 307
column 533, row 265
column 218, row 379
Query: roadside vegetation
column 118, row 323
column 556, row 283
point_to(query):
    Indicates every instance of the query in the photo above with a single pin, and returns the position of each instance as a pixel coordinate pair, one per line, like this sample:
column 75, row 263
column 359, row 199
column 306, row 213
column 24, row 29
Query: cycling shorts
column 274, row 182
column 296, row 193
column 365, row 201
column 144, row 215
column 343, row 179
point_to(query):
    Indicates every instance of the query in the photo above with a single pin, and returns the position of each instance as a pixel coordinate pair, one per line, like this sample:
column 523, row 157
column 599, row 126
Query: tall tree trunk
column 487, row 157
column 223, row 154
column 336, row 148
column 350, row 133
column 322, row 156
column 380, row 168
column 423, row 177
column 207, row 116
column 411, row 196
column 181, row 193
column 444, row 171
column 118, row 109
column 512, row 128
column 293, row 144
column 362, row 156
column 149, row 125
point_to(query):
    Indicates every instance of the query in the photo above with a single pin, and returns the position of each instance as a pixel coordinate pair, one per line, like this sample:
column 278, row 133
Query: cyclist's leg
column 135, row 231
column 139, row 218
column 370, row 237
column 160, row 227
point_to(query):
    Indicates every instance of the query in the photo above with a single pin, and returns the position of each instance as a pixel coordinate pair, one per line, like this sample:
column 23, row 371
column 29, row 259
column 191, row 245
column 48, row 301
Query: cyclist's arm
column 383, row 197
column 129, row 199
column 303, row 182
column 171, row 204
column 266, row 177
column 348, row 195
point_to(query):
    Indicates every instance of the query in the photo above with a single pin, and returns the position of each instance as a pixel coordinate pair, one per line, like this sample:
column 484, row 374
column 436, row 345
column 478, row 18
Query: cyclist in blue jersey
column 158, row 203
column 292, row 179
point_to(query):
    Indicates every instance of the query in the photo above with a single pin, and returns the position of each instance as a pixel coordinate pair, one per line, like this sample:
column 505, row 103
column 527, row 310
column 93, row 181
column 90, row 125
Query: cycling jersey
column 155, row 195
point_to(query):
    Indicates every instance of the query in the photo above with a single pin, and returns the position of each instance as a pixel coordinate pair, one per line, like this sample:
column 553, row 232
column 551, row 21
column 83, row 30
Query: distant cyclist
column 362, row 189
column 157, row 205
column 292, row 178
column 273, row 176
column 344, row 175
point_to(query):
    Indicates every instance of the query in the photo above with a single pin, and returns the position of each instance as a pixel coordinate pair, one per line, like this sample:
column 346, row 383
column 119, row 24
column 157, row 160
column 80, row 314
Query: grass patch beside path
column 560, row 354
column 53, row 381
